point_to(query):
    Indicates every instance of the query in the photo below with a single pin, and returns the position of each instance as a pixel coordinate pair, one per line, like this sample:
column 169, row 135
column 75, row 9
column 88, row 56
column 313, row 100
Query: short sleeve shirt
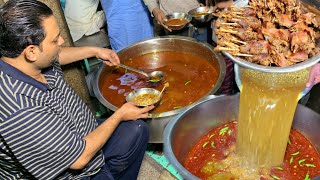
column 42, row 127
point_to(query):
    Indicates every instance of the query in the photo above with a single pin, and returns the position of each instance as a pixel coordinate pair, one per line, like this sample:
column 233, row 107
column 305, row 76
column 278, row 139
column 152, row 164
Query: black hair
column 21, row 25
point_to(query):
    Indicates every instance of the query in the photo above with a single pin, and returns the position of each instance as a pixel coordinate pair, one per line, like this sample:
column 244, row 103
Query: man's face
column 51, row 45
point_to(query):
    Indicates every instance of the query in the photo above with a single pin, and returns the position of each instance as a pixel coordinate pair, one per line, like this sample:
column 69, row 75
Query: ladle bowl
column 155, row 76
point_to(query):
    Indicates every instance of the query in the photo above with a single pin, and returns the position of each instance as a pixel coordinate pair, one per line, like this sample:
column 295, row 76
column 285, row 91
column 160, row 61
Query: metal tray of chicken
column 306, row 7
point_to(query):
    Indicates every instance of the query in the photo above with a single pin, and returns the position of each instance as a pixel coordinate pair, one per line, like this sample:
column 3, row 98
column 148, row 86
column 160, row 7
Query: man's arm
column 97, row 138
column 72, row 54
column 314, row 76
column 155, row 10
column 151, row 4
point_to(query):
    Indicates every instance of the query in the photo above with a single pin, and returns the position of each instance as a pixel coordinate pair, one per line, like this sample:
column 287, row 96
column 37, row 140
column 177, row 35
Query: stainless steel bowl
column 141, row 91
column 177, row 15
column 185, row 130
column 201, row 14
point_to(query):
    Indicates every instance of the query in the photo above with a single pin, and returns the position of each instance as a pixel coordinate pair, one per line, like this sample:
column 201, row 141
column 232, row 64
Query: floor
column 151, row 169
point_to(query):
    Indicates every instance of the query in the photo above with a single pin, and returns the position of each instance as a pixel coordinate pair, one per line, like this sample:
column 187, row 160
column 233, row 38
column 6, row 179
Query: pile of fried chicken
column 269, row 32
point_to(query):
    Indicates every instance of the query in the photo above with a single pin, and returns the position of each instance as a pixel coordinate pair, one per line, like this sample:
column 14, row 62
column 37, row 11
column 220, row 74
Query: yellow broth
column 146, row 99
column 267, row 105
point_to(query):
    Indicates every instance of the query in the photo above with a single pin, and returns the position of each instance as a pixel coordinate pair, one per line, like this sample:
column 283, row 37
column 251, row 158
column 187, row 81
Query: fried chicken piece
column 277, row 37
column 298, row 56
column 243, row 34
column 282, row 34
column 247, row 34
column 285, row 20
column 249, row 22
column 311, row 19
column 248, row 12
column 262, row 58
column 268, row 25
column 301, row 41
column 281, row 60
column 301, row 26
column 256, row 47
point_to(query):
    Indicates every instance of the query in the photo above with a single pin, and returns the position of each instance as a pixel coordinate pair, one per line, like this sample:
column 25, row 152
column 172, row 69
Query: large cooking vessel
column 186, row 129
column 167, row 43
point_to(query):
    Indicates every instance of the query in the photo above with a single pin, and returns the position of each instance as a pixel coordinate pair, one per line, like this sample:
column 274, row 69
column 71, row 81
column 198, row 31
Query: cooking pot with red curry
column 192, row 69
column 198, row 140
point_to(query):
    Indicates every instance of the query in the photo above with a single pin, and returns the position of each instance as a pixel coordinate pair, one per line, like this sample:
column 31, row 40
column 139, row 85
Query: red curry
column 190, row 77
column 301, row 161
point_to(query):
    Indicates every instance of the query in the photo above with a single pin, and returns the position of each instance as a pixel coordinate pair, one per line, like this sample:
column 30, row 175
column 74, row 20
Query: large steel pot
column 186, row 129
column 167, row 43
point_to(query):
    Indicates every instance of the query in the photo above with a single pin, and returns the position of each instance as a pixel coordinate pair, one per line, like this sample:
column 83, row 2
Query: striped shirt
column 42, row 127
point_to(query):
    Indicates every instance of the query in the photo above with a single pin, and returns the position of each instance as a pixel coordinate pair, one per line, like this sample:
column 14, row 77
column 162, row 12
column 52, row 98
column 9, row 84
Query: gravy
column 176, row 22
column 190, row 77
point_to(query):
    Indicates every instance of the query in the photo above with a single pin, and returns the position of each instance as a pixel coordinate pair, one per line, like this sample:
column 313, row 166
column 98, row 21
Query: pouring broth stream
column 267, row 105
column 261, row 145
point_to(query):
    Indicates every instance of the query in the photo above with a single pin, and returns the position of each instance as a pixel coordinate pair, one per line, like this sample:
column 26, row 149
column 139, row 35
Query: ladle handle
column 130, row 68
column 135, row 70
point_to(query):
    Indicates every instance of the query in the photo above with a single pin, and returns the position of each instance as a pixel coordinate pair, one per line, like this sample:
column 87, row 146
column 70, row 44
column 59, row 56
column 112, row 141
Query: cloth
column 228, row 86
column 42, row 127
column 128, row 22
column 83, row 18
column 170, row 6
column 124, row 152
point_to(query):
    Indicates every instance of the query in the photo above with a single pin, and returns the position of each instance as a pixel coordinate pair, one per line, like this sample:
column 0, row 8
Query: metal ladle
column 154, row 76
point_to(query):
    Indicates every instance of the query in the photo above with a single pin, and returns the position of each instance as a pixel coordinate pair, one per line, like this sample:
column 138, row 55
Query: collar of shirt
column 17, row 74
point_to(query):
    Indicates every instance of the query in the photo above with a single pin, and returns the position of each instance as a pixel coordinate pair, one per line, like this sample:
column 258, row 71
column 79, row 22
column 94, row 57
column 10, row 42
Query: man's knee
column 140, row 131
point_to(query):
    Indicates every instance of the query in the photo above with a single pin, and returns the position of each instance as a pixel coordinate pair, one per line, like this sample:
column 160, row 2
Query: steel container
column 158, row 121
column 186, row 129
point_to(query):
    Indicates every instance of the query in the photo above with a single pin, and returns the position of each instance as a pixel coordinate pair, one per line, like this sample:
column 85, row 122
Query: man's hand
column 314, row 76
column 160, row 17
column 222, row 5
column 129, row 111
column 109, row 56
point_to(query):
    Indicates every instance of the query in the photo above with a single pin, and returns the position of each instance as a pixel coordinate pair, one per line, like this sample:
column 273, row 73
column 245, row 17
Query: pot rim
column 268, row 69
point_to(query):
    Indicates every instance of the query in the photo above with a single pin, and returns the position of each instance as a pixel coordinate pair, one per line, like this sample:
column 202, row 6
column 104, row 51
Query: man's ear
column 31, row 52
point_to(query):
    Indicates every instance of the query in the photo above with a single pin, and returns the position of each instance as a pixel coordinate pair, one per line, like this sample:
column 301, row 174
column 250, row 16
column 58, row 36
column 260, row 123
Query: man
column 128, row 22
column 46, row 131
column 83, row 18
column 159, row 9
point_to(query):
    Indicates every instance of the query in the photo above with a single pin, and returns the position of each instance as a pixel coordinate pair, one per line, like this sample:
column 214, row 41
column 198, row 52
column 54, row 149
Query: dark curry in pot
column 190, row 77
